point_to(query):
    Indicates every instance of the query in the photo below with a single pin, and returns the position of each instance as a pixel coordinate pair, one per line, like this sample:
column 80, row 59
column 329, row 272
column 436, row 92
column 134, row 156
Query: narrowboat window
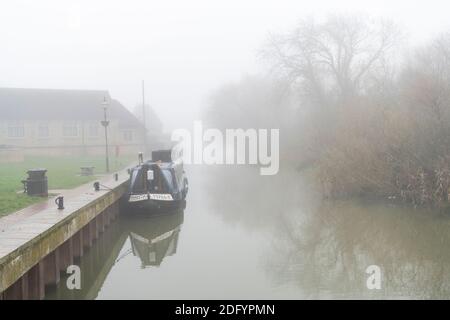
column 150, row 175
column 137, row 181
column 168, row 177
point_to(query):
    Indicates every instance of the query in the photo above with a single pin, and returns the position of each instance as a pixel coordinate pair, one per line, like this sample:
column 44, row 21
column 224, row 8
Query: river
column 245, row 236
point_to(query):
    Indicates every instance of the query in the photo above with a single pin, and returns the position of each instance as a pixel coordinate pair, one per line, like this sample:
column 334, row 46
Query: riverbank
column 40, row 241
column 63, row 173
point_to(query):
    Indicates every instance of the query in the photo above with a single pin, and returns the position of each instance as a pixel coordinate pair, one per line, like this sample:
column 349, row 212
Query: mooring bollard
column 59, row 201
column 116, row 176
column 97, row 186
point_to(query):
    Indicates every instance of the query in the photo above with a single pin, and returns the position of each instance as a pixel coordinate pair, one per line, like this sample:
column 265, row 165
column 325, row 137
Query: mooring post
column 105, row 220
column 107, row 217
column 51, row 268
column 101, row 219
column 100, row 223
column 18, row 290
column 114, row 211
column 77, row 244
column 87, row 236
column 93, row 229
column 36, row 284
column 25, row 283
column 96, row 227
column 14, row 292
column 66, row 254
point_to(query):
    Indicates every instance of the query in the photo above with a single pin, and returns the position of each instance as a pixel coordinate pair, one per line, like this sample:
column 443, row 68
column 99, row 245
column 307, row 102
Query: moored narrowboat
column 158, row 183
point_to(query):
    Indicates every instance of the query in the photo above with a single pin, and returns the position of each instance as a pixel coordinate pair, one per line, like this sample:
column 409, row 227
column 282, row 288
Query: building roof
column 57, row 104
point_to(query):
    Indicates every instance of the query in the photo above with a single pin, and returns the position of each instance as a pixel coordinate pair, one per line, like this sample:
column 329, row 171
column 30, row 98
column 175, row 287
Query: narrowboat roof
column 164, row 164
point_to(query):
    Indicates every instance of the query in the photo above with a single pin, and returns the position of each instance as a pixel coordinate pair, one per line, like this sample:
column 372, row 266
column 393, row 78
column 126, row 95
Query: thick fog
column 322, row 149
column 183, row 49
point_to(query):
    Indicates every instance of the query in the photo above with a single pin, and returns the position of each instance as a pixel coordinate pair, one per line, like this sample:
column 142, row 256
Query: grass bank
column 63, row 173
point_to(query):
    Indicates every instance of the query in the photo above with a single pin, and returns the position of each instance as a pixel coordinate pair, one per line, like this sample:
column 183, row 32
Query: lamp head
column 105, row 102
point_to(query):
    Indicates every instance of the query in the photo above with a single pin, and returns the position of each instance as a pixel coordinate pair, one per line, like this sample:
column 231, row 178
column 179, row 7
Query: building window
column 16, row 129
column 128, row 135
column 43, row 130
column 93, row 130
column 70, row 129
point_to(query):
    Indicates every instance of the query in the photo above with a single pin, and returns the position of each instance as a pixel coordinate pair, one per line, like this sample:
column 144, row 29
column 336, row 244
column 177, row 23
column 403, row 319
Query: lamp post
column 105, row 124
column 144, row 117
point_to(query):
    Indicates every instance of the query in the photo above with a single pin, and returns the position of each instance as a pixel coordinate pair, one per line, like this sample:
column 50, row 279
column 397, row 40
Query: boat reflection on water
column 150, row 238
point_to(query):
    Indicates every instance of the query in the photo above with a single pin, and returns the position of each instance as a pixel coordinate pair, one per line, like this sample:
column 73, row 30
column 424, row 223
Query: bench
column 87, row 171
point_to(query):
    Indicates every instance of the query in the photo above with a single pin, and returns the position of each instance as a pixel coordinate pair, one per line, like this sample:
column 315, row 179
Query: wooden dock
column 39, row 242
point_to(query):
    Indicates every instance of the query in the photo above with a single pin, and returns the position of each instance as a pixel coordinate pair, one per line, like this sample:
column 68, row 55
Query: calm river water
column 245, row 236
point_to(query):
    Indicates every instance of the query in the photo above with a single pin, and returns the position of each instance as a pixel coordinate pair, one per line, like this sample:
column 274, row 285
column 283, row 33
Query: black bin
column 37, row 183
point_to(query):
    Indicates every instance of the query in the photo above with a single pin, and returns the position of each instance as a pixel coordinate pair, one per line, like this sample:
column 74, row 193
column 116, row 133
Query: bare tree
column 334, row 56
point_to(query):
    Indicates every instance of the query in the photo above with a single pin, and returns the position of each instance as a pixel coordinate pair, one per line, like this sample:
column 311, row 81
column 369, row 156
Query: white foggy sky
column 183, row 49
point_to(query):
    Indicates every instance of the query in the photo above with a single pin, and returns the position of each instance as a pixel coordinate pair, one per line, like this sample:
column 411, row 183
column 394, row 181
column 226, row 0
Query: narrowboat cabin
column 158, row 183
